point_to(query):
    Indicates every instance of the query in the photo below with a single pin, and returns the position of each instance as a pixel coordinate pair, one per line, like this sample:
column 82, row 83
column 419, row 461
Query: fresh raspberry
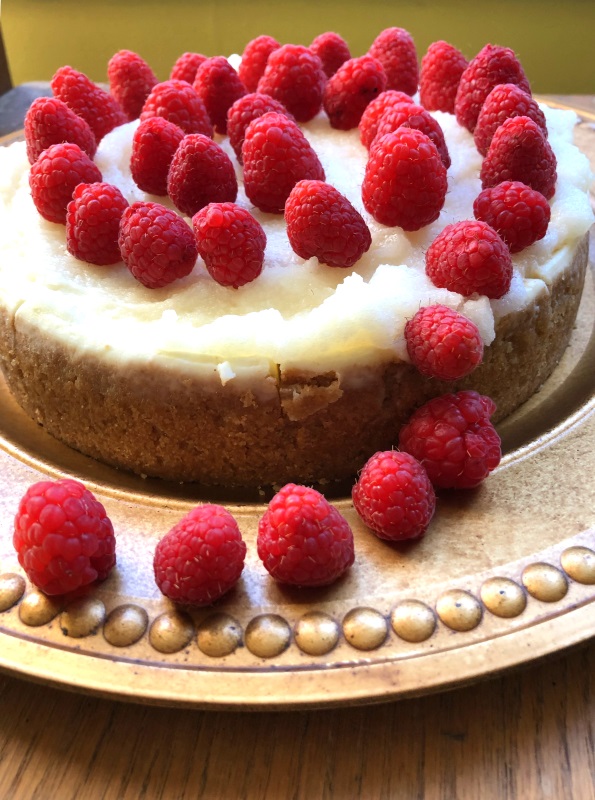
column 519, row 214
column 131, row 80
column 153, row 146
column 520, row 152
column 491, row 66
column 395, row 50
column 410, row 115
column 231, row 243
column 177, row 102
column 54, row 176
column 504, row 101
column 442, row 343
column 93, row 223
column 453, row 438
column 368, row 125
column 99, row 109
column 49, row 121
column 405, row 180
column 303, row 540
column 332, row 50
column 322, row 223
column 200, row 173
column 185, row 67
column 469, row 257
column 394, row 497
column 254, row 60
column 441, row 70
column 353, row 86
column 201, row 558
column 276, row 155
column 63, row 538
column 156, row 244
column 219, row 86
column 294, row 76
column 243, row 111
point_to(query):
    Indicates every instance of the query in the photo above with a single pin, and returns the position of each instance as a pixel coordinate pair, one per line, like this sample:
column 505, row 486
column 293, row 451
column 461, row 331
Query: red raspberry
column 395, row 50
column 54, row 176
column 177, row 102
column 243, row 111
column 442, row 343
column 405, row 180
column 62, row 536
column 231, row 243
column 153, row 146
column 350, row 90
column 130, row 80
column 49, row 121
column 322, row 223
column 469, row 257
column 303, row 540
column 93, row 223
column 254, row 60
column 491, row 66
column 519, row 214
column 441, row 70
column 453, row 438
column 520, row 152
column 219, row 86
column 156, row 244
column 200, row 173
column 185, row 67
column 99, row 109
column 410, row 115
column 294, row 76
column 332, row 50
column 394, row 497
column 276, row 155
column 201, row 558
column 504, row 101
column 368, row 125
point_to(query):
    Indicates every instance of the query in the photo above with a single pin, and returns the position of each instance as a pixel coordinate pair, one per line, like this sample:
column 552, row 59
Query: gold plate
column 505, row 575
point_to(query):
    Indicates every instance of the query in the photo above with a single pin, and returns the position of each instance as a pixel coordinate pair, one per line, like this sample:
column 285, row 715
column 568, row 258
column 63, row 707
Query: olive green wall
column 553, row 38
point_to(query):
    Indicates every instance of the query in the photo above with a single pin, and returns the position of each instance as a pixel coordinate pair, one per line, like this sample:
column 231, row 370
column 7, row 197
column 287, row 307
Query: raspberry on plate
column 231, row 243
column 441, row 70
column 130, row 80
column 153, row 146
column 294, row 76
column 243, row 111
column 504, row 101
column 201, row 558
column 394, row 496
column 410, row 115
column 99, row 109
column 322, row 223
column 254, row 60
column 519, row 214
column 332, row 50
column 395, row 49
column 63, row 538
column 353, row 86
column 303, row 540
column 49, row 121
column 177, row 102
column 185, row 67
column 453, row 438
column 200, row 173
column 93, row 223
column 219, row 86
column 368, row 124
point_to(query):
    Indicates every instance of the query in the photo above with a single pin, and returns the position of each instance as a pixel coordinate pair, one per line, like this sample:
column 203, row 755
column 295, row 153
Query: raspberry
column 93, row 223
column 243, row 111
column 177, row 102
column 441, row 70
column 332, row 50
column 453, row 438
column 200, row 173
column 201, row 558
column 219, row 86
column 63, row 538
column 54, row 176
column 469, row 257
column 491, row 66
column 442, row 343
column 276, row 155
column 153, row 146
column 49, row 121
column 504, row 101
column 156, row 244
column 130, row 79
column 395, row 50
column 99, row 109
column 254, row 60
column 410, row 115
column 231, row 243
column 519, row 214
column 394, row 497
column 405, row 180
column 303, row 540
column 322, row 223
column 185, row 67
column 350, row 90
column 368, row 125
column 294, row 76
column 520, row 152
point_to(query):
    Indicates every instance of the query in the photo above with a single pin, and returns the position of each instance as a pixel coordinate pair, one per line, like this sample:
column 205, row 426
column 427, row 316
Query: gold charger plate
column 505, row 575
